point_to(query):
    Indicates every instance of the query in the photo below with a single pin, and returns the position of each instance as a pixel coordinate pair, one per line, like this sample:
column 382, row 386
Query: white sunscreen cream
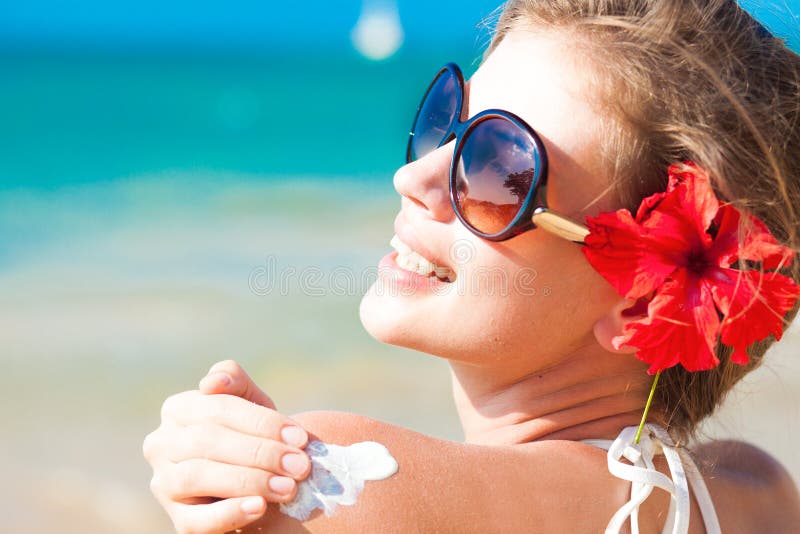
column 337, row 476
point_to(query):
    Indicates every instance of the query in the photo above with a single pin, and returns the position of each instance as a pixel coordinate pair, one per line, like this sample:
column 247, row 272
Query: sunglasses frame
column 534, row 212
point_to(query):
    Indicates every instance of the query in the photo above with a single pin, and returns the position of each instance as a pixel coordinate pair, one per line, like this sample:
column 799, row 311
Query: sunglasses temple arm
column 559, row 225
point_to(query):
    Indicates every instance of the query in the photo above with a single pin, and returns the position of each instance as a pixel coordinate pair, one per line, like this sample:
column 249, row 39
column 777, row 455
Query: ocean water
column 93, row 116
column 142, row 200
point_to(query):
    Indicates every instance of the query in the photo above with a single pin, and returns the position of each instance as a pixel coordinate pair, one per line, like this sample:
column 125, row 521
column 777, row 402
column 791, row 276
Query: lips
column 411, row 260
column 416, row 257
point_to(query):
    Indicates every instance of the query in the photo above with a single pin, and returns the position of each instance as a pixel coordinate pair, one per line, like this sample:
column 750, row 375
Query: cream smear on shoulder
column 337, row 476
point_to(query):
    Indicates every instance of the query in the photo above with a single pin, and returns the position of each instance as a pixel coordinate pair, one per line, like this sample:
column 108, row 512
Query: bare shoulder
column 444, row 486
column 751, row 489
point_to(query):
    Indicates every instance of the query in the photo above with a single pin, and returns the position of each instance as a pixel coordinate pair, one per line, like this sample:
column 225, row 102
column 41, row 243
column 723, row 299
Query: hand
column 229, row 377
column 218, row 459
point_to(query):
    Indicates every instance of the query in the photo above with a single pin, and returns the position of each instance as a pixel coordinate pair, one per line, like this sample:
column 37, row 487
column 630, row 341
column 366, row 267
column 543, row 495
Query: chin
column 395, row 320
column 380, row 316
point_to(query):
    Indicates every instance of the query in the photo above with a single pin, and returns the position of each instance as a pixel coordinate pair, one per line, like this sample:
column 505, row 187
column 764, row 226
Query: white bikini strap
column 701, row 494
column 644, row 476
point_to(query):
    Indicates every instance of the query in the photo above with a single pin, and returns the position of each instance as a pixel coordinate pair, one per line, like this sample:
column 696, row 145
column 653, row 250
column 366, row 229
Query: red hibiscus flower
column 676, row 255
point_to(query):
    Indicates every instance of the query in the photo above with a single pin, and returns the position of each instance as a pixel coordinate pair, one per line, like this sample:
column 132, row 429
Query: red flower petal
column 615, row 247
column 725, row 248
column 758, row 243
column 636, row 256
column 671, row 249
column 648, row 204
column 680, row 221
column 754, row 304
column 697, row 198
column 681, row 327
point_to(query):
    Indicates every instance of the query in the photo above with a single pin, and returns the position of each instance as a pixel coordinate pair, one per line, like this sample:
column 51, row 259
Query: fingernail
column 295, row 436
column 221, row 379
column 281, row 484
column 294, row 463
column 253, row 505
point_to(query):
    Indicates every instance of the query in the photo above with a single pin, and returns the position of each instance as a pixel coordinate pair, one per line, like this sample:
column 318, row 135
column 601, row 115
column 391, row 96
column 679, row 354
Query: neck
column 591, row 394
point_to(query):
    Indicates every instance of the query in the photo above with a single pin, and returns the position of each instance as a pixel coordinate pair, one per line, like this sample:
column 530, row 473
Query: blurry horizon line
column 211, row 50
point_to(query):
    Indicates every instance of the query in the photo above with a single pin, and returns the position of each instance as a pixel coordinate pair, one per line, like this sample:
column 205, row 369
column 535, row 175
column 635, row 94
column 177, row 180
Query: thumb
column 229, row 378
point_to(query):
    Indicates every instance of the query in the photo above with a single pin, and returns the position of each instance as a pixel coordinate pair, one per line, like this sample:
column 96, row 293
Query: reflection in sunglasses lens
column 435, row 116
column 494, row 174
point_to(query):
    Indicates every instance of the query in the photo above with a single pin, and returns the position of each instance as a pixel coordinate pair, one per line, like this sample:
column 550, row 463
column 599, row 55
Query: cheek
column 510, row 305
column 531, row 295
column 554, row 296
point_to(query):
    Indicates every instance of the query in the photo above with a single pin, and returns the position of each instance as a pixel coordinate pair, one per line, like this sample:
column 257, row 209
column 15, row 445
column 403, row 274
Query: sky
column 781, row 17
column 265, row 23
column 253, row 23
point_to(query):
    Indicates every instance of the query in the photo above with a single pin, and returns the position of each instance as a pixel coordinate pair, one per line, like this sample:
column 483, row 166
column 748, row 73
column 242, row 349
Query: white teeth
column 444, row 272
column 398, row 245
column 411, row 260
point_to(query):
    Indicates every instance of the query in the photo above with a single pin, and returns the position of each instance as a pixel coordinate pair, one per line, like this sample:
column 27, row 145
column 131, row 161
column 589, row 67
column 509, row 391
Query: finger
column 229, row 377
column 194, row 478
column 157, row 443
column 218, row 517
column 194, row 408
column 150, row 447
column 221, row 444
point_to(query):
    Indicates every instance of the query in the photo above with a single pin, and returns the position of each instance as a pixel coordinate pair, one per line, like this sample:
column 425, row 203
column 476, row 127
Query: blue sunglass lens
column 436, row 113
column 496, row 169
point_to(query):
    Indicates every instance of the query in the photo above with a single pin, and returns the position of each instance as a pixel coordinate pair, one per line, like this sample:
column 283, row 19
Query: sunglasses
column 498, row 173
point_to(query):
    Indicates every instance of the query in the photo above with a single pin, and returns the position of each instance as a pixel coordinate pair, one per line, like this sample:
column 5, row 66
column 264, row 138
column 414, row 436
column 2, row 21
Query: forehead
column 536, row 76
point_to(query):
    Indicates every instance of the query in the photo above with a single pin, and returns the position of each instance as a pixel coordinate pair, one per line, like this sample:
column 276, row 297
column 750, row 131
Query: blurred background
column 157, row 160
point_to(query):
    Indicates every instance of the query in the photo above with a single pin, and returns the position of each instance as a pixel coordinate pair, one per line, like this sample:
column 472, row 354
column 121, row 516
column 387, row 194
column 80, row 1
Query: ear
column 612, row 324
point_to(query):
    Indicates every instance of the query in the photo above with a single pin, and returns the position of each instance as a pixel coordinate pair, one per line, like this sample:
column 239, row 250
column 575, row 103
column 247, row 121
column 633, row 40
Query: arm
column 745, row 478
column 443, row 486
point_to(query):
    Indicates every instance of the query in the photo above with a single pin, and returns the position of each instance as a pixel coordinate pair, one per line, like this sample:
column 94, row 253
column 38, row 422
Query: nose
column 426, row 182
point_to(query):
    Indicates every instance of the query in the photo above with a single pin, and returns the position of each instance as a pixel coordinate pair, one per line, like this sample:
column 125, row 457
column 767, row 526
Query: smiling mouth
column 410, row 260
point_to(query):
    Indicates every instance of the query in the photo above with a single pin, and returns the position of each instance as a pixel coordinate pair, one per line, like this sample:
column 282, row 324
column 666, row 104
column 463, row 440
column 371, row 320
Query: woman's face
column 532, row 294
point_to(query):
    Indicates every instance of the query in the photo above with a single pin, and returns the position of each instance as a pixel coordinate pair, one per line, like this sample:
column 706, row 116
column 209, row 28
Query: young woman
column 600, row 105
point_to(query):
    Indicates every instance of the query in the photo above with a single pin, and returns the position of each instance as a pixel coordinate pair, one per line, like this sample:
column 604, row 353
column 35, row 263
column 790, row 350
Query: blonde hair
column 691, row 80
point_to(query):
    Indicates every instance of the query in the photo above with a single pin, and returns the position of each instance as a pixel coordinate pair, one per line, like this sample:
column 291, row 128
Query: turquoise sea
column 142, row 197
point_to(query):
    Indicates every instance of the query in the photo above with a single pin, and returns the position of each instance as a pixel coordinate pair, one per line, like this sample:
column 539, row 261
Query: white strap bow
column 644, row 476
